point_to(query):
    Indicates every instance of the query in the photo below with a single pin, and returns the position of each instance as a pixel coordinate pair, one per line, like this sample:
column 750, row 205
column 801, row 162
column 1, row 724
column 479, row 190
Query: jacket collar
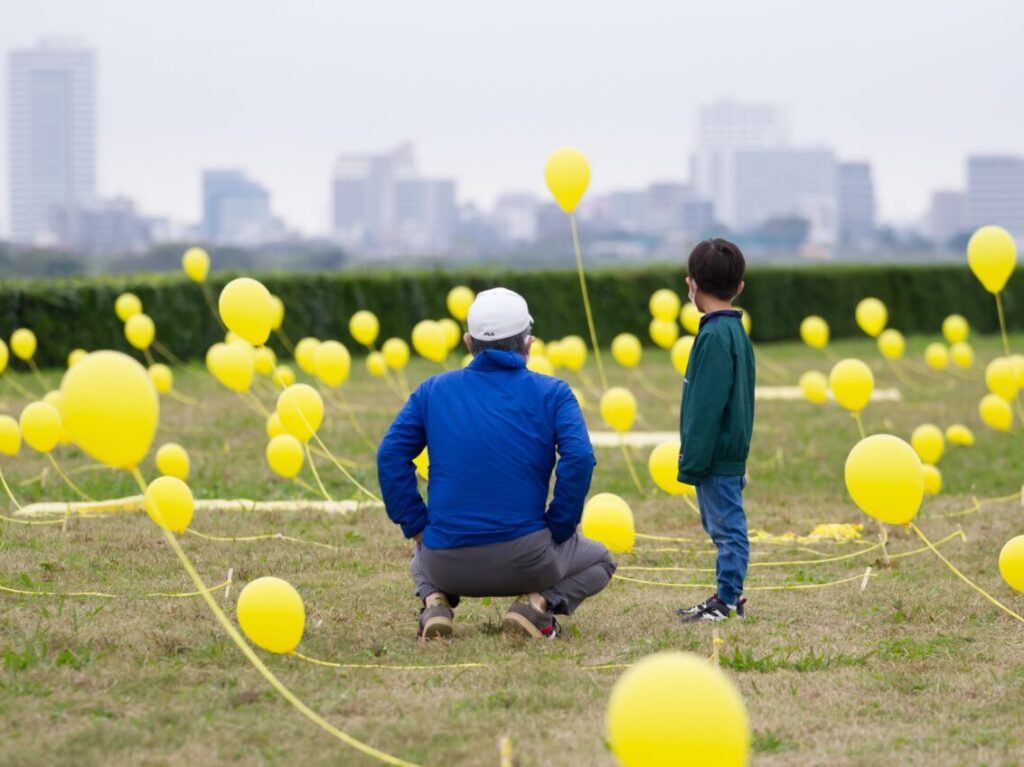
column 720, row 313
column 490, row 360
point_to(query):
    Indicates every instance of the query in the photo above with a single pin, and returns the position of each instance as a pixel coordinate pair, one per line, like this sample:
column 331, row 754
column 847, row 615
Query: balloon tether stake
column 866, row 578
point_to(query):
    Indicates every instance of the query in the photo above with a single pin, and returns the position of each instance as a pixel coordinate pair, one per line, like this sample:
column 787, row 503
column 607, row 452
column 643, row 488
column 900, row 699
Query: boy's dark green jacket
column 717, row 418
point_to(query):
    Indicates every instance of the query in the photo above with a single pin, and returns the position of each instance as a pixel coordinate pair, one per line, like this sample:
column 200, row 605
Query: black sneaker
column 714, row 610
column 683, row 612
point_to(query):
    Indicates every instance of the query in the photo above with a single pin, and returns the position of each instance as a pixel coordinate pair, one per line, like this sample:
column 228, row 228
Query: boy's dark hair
column 717, row 266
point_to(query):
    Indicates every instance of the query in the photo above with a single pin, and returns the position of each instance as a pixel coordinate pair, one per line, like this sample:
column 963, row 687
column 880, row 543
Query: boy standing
column 717, row 421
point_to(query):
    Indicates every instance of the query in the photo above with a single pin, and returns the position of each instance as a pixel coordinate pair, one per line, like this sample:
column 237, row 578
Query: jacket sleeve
column 405, row 439
column 574, row 469
column 708, row 392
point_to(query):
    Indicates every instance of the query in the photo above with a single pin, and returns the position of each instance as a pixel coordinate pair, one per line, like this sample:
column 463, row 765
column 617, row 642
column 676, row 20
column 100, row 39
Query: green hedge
column 78, row 312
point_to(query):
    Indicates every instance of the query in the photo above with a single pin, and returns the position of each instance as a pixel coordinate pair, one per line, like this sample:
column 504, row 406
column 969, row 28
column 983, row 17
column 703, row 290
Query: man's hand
column 418, row 538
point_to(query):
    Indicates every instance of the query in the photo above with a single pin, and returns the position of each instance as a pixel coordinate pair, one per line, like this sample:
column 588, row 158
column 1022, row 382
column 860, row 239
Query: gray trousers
column 564, row 573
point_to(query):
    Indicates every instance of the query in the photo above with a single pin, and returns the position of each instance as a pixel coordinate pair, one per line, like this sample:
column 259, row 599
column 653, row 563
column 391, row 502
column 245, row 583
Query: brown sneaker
column 436, row 620
column 525, row 620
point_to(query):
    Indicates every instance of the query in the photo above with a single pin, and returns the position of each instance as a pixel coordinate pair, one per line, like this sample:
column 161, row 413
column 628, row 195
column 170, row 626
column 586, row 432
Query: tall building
column 515, row 214
column 51, row 137
column 236, row 209
column 723, row 129
column 946, row 217
column 995, row 192
column 856, row 205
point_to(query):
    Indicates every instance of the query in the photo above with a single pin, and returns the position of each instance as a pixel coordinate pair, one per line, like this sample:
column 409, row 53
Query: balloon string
column 305, row 485
column 208, row 297
column 167, row 354
column 903, row 379
column 860, row 424
column 176, row 395
column 632, row 469
column 648, row 387
column 260, row 537
column 284, row 340
column 27, row 592
column 689, row 502
column 404, row 383
column 37, row 374
column 1002, row 324
column 316, row 474
column 10, row 493
column 786, row 587
column 18, row 387
column 350, row 464
column 979, row 503
column 343, row 405
column 67, row 480
column 586, row 302
column 343, row 470
column 149, row 356
column 427, row 667
column 829, row 354
column 963, row 577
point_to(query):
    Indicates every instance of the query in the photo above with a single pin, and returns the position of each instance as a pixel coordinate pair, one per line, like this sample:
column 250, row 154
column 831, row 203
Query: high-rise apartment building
column 236, row 209
column 995, row 192
column 856, row 205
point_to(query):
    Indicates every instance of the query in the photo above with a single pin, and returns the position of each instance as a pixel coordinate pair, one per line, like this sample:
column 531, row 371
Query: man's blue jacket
column 491, row 430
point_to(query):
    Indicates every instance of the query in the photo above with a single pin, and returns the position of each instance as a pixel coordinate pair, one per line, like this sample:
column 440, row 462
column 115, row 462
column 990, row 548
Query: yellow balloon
column 40, row 426
column 663, row 464
column 422, row 463
column 277, row 312
column 301, row 411
column 467, row 360
column 579, row 397
column 567, row 174
column 5, row 356
column 264, row 360
column 1011, row 563
column 460, row 298
column 284, row 376
column 271, row 613
column 885, row 478
column 53, row 398
column 871, row 316
column 364, row 327
column 429, row 341
column 540, row 364
column 661, row 710
column 665, row 305
column 172, row 461
column 74, row 357
column 376, row 364
column 814, row 332
column 140, row 331
column 23, row 344
column 539, row 347
column 10, row 436
column 744, row 319
column 814, row 386
column 452, row 332
column 609, row 523
column 680, row 354
column 689, row 318
column 892, row 344
column 246, row 309
column 332, row 363
column 932, row 479
column 928, row 443
column 273, row 426
column 285, row 455
column 605, row 498
column 396, row 353
column 127, row 306
column 1017, row 363
column 992, row 256
column 851, row 382
column 196, row 264
column 962, row 354
column 573, row 351
column 626, row 349
column 618, row 408
column 110, row 408
column 554, row 353
column 305, row 354
column 1001, row 378
column 161, row 376
column 995, row 412
column 958, row 434
column 169, row 503
column 663, row 333
column 232, row 365
column 936, row 356
column 955, row 328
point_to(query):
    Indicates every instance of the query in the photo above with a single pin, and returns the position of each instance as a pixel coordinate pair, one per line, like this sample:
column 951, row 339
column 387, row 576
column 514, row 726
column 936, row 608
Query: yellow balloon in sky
column 928, row 443
column 814, row 386
column 277, row 312
column 665, row 305
column 962, row 354
column 40, row 426
column 10, row 436
column 376, row 364
column 663, row 464
column 892, row 344
column 885, row 478
column 663, row 333
column 1011, row 563
column 5, row 356
column 851, row 382
column 932, row 479
column 364, row 327
column 609, row 523
column 271, row 613
column 161, row 376
column 169, row 503
column 567, row 174
column 689, row 318
column 284, row 376
column 814, row 332
column 871, row 316
column 618, row 408
column 573, row 350
column 285, row 455
column 1001, row 378
column 332, row 363
column 127, row 306
column 452, row 332
column 23, row 344
column 305, row 354
column 140, row 331
column 264, row 360
column 172, row 461
column 110, row 408
column 246, row 309
column 396, row 353
column 955, row 328
column 273, row 426
column 301, row 410
column 936, row 356
column 538, row 363
column 422, row 463
column 74, row 357
column 626, row 349
column 992, row 256
column 430, row 341
column 680, row 353
column 958, row 434
column 460, row 298
column 995, row 412
column 661, row 710
column 196, row 264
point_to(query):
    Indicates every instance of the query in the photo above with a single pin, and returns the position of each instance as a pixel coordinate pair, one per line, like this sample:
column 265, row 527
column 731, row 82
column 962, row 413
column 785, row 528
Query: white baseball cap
column 498, row 313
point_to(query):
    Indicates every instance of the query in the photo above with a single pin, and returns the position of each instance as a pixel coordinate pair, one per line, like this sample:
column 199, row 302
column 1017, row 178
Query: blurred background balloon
column 871, row 316
column 814, row 332
column 285, row 455
column 618, row 408
column 851, row 382
column 301, row 411
column 169, row 503
column 814, row 387
column 992, row 256
column 127, row 306
column 23, row 344
column 364, row 327
column 626, row 349
column 196, row 264
column 458, row 301
column 140, row 331
column 567, row 174
column 247, row 310
column 172, row 461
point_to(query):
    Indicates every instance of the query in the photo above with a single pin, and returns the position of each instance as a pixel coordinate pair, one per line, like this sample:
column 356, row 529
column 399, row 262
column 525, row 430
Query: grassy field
column 917, row 669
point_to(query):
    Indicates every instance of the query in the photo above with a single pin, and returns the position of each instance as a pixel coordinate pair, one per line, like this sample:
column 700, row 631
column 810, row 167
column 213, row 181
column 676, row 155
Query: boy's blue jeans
column 721, row 512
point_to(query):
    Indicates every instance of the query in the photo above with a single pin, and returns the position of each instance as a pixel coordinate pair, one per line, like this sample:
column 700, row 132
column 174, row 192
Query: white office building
column 995, row 193
column 946, row 217
column 856, row 205
column 51, row 137
column 236, row 210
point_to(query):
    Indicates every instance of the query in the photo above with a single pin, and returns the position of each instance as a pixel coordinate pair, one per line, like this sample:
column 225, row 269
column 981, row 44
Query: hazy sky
column 486, row 89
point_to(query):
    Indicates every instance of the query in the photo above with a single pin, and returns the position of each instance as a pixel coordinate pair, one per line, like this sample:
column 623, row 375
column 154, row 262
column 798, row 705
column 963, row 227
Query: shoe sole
column 437, row 628
column 514, row 623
